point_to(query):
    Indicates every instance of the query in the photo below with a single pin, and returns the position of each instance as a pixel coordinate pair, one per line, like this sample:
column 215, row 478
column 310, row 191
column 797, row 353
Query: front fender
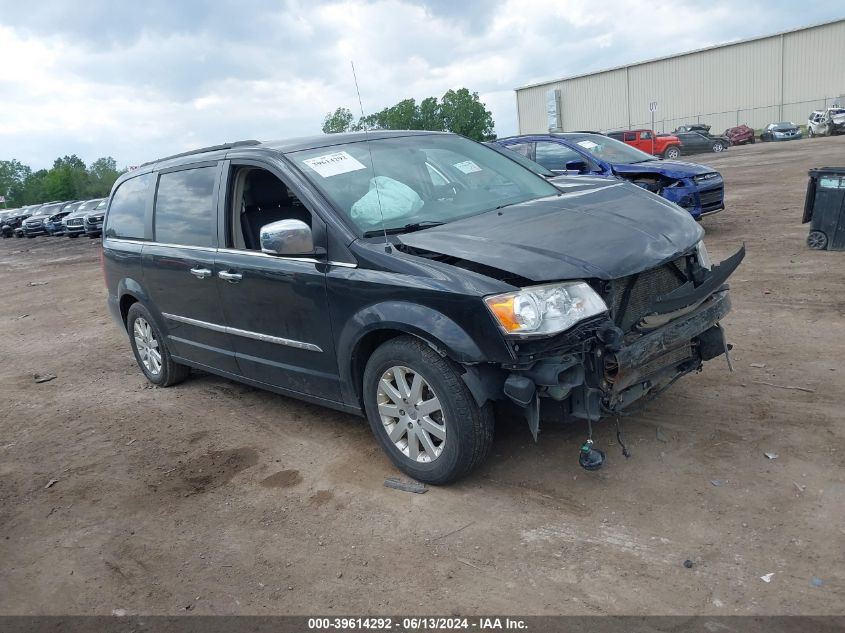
column 442, row 333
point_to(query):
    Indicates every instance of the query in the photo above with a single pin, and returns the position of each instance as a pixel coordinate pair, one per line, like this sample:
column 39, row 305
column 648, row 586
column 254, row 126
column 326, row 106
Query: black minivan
column 416, row 278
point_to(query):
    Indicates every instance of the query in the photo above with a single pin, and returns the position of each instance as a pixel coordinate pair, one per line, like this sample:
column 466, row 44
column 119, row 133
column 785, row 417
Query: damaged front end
column 700, row 195
column 660, row 324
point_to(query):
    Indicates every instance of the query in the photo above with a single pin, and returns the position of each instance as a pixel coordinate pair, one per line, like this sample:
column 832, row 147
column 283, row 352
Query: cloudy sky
column 137, row 80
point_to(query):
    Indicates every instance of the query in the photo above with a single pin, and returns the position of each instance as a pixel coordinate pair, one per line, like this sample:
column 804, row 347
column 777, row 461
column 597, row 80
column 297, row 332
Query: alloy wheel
column 147, row 346
column 411, row 414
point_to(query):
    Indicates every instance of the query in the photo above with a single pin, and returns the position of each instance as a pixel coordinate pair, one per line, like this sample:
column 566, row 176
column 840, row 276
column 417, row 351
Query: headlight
column 548, row 309
column 703, row 255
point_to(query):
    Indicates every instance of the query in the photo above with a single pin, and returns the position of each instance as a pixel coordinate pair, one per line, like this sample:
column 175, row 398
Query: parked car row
column 72, row 218
column 696, row 137
column 690, row 139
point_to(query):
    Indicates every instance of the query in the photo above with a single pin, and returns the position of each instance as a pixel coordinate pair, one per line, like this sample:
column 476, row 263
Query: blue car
column 698, row 189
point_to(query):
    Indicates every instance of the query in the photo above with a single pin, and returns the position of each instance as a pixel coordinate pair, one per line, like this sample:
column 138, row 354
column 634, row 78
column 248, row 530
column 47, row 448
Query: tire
column 817, row 240
column 467, row 428
column 73, row 235
column 672, row 152
column 169, row 372
column 753, row 140
column 718, row 146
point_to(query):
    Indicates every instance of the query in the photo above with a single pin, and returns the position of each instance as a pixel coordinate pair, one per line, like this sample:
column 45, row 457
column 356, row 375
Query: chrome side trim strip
column 266, row 338
column 310, row 260
column 233, row 251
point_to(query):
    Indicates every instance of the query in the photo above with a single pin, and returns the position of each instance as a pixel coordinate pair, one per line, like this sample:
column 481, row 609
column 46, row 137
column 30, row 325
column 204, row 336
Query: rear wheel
column 672, row 152
column 150, row 349
column 817, row 240
column 422, row 412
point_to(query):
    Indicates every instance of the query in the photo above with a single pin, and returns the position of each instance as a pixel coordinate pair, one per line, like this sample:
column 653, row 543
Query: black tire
column 170, row 372
column 469, row 428
column 72, row 235
column 817, row 240
column 672, row 152
column 753, row 140
column 718, row 147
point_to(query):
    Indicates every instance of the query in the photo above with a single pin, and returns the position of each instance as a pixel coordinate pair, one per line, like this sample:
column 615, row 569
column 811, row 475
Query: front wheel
column 718, row 146
column 672, row 152
column 422, row 413
column 150, row 349
column 817, row 240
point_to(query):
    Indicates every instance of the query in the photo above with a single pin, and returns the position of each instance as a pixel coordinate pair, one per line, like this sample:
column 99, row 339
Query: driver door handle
column 200, row 273
column 230, row 277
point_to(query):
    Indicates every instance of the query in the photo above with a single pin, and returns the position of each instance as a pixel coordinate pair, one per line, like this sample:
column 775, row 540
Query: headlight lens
column 547, row 309
column 703, row 255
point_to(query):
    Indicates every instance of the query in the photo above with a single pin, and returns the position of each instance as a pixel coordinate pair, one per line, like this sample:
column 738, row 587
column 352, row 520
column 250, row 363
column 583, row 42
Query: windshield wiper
column 408, row 228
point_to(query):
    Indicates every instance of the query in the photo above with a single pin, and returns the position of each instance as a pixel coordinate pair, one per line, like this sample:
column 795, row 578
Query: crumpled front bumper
column 639, row 361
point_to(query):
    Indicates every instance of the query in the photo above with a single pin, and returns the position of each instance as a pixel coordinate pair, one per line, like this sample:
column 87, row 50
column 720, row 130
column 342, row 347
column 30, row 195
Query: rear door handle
column 200, row 273
column 230, row 277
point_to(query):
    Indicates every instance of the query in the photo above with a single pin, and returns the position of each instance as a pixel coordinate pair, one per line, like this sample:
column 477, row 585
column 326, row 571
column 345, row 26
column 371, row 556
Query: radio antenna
column 372, row 162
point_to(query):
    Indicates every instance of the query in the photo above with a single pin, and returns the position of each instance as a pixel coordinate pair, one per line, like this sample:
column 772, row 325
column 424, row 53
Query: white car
column 826, row 122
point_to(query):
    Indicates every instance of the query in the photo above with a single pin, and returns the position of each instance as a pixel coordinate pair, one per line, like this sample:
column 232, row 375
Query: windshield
column 417, row 179
column 610, row 150
column 785, row 125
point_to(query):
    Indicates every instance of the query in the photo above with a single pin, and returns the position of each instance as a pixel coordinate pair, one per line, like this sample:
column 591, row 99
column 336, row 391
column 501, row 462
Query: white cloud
column 141, row 81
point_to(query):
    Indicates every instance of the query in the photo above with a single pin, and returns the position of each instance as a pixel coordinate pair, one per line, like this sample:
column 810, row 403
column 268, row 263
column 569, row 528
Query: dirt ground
column 215, row 498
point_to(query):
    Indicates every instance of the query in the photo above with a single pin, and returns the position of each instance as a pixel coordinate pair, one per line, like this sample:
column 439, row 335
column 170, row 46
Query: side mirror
column 287, row 238
column 576, row 165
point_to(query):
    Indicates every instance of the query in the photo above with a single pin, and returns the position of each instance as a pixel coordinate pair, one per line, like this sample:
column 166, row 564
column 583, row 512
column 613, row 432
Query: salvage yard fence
column 798, row 112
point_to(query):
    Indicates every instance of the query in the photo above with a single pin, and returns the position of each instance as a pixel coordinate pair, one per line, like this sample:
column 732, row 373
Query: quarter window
column 128, row 204
column 184, row 208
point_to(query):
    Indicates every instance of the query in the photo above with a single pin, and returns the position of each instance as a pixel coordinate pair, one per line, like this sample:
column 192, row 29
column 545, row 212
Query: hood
column 669, row 168
column 607, row 231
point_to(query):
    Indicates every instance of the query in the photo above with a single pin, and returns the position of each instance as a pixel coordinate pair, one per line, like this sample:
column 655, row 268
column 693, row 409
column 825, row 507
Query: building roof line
column 681, row 54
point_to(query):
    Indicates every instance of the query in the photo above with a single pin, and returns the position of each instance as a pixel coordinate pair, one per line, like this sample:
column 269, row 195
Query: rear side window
column 554, row 156
column 184, row 208
column 126, row 214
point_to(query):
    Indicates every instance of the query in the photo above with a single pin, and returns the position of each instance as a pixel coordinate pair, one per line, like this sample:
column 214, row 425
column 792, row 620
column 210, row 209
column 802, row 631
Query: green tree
column 101, row 176
column 67, row 180
column 13, row 173
column 463, row 113
column 428, row 115
column 458, row 111
column 338, row 121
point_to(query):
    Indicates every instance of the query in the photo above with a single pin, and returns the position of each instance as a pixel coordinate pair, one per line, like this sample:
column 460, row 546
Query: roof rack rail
column 202, row 150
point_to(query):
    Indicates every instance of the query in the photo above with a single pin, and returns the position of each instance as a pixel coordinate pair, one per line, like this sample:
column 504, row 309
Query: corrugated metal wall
column 782, row 77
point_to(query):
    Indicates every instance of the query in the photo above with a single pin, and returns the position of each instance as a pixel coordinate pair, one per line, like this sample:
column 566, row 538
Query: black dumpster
column 824, row 208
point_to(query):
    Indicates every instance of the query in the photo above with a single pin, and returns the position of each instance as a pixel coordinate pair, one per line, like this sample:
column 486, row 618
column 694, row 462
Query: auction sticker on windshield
column 587, row 144
column 334, row 164
column 467, row 166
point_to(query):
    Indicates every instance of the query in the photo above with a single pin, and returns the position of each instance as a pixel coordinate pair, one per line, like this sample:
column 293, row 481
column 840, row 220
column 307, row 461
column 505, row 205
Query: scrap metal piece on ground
column 39, row 378
column 407, row 486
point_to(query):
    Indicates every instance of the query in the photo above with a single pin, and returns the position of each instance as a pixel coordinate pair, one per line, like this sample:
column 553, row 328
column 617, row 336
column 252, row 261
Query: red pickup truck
column 663, row 145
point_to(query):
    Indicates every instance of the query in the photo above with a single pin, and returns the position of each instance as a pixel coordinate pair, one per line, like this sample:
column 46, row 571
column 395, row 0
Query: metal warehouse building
column 778, row 77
